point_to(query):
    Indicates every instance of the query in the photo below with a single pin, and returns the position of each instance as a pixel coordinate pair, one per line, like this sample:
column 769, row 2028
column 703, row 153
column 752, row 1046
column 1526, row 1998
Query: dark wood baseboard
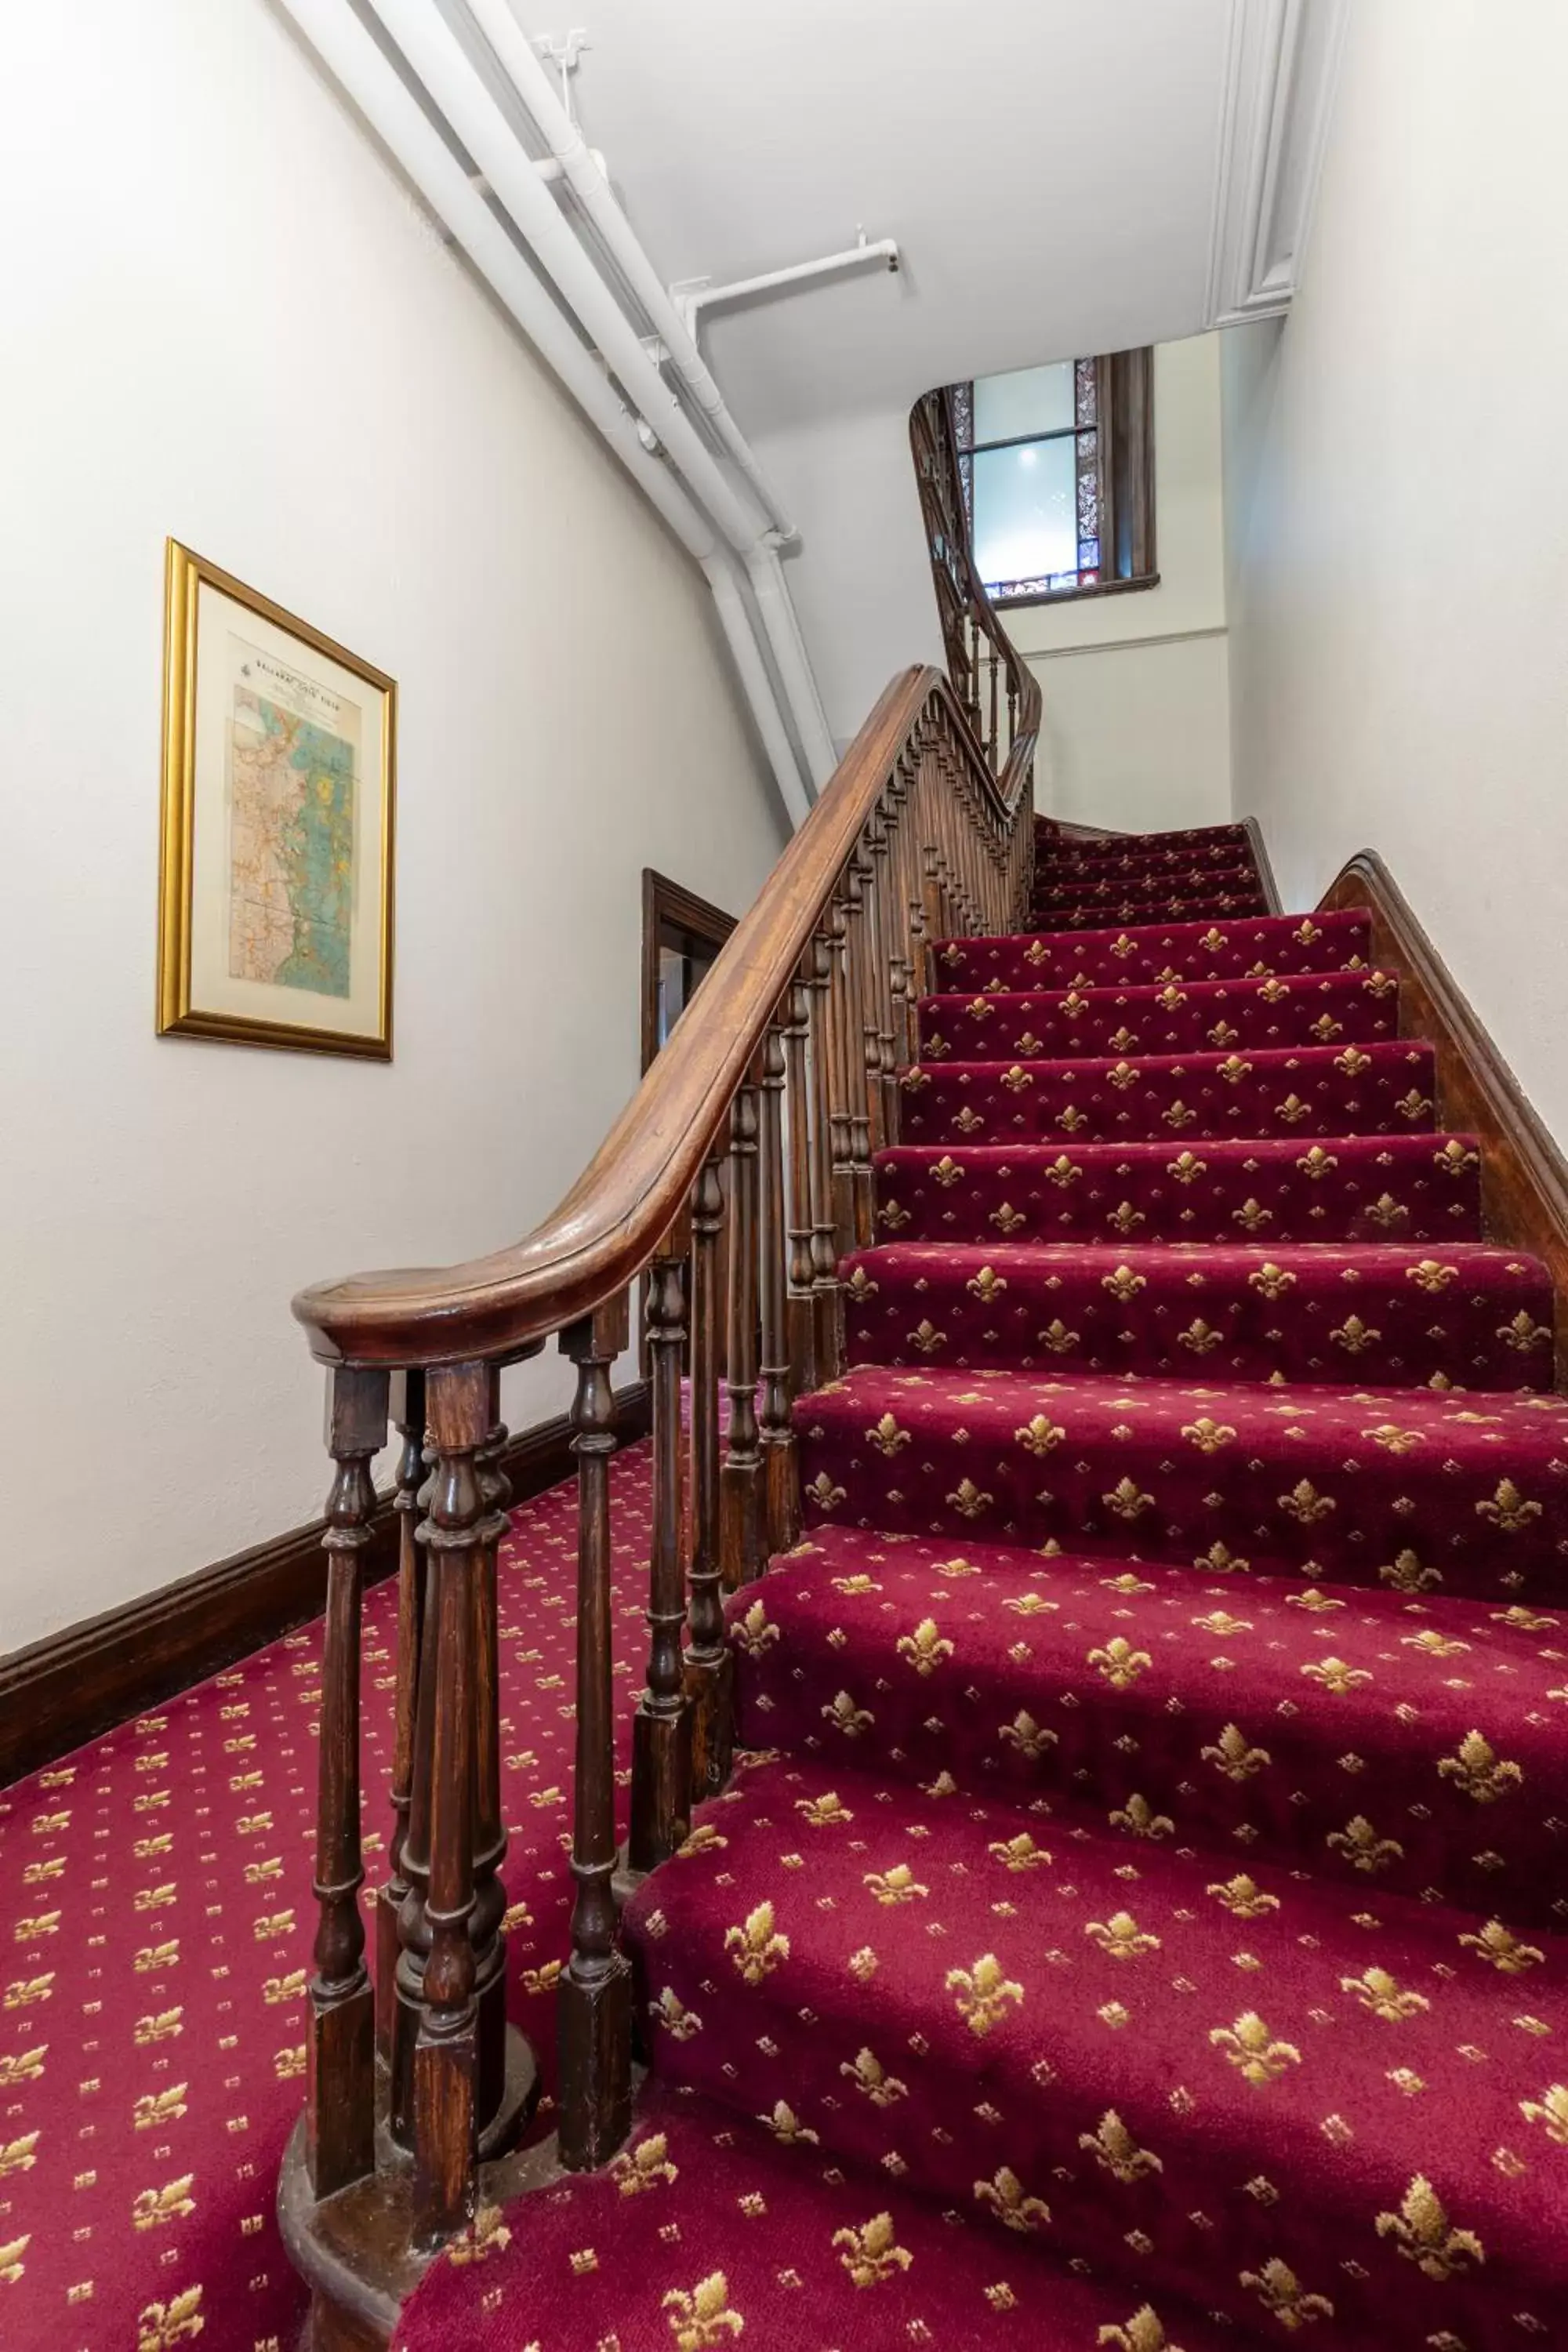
column 74, row 1684
column 1524, row 1177
column 1271, row 898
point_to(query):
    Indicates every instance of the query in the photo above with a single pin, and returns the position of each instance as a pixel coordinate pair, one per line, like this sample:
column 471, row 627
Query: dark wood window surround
column 1123, row 491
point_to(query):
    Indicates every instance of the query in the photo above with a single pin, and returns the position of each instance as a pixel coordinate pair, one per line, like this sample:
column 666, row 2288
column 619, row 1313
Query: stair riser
column 1153, row 886
column 1020, row 1710
column 1185, row 1101
column 1178, row 906
column 1215, row 844
column 1141, row 1496
column 1221, row 1017
column 915, row 1306
column 1141, row 955
column 1408, row 1190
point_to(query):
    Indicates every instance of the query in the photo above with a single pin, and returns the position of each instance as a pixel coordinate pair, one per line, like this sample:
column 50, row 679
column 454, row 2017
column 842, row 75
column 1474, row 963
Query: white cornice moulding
column 1281, row 68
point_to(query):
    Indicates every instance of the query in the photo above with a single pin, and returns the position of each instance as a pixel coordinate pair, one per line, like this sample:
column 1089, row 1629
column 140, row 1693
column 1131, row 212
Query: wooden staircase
column 1079, row 1892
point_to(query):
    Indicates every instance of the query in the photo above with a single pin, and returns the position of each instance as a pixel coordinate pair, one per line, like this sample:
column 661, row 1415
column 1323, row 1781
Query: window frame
column 1123, row 424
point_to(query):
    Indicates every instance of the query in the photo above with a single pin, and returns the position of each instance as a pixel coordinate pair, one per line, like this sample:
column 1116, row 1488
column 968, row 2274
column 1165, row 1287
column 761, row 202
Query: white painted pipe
column 765, row 574
column 585, row 169
column 736, row 622
column 362, row 70
column 438, row 61
column 699, row 298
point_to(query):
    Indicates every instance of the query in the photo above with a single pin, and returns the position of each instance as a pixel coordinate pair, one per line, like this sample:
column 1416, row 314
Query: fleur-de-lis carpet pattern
column 155, row 1945
column 1139, row 1919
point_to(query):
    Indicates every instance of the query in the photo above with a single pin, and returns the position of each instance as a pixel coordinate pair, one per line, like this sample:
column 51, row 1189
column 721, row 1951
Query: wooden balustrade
column 736, row 1180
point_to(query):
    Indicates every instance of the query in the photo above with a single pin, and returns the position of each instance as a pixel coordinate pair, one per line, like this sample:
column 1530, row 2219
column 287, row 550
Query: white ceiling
column 1049, row 167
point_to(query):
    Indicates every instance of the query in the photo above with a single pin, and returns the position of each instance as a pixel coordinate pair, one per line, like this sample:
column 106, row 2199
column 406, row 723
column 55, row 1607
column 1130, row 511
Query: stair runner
column 1139, row 1919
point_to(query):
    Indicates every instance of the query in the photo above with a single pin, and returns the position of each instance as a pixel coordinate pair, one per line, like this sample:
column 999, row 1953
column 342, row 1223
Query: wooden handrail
column 609, row 1225
column 972, row 634
column 739, row 1176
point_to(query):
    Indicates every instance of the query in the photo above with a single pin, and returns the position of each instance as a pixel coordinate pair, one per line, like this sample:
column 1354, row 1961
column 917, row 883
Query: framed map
column 275, row 865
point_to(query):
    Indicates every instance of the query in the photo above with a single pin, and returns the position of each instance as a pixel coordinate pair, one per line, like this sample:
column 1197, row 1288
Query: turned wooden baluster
column 902, row 972
column 866, row 1118
column 445, row 2051
column 740, row 1479
column 661, row 1732
column 993, row 746
column 413, row 1918
column 884, row 858
column 799, row 1313
column 408, row 1405
column 709, row 1671
column 857, row 1023
column 839, row 1097
column 873, row 852
column 489, row 1828
column 781, row 1485
column 594, row 1991
column 826, row 1306
column 935, row 905
column 340, row 2098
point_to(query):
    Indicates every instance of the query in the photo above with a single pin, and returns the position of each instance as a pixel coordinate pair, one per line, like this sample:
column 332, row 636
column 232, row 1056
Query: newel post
column 340, row 2129
column 594, row 1992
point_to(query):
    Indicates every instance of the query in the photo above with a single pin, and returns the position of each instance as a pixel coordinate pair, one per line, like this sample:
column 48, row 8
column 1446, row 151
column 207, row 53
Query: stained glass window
column 1030, row 454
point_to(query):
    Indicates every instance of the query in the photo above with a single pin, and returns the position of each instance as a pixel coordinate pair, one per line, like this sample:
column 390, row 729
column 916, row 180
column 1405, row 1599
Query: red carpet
column 1141, row 1923
column 157, row 1934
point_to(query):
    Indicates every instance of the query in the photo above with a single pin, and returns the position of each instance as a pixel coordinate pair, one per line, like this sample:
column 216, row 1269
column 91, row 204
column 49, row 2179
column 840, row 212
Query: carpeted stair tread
column 1373, row 1188
column 1305, row 1090
column 1480, row 1315
column 713, row 2226
column 1405, row 1741
column 1456, row 1493
column 1239, row 2071
column 1159, row 951
column 1329, row 1008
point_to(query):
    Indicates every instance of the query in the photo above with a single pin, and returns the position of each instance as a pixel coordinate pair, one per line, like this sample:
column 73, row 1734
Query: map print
column 291, row 841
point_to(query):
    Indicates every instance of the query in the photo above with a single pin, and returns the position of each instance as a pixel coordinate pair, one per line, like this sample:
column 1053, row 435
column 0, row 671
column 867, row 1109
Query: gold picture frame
column 276, row 849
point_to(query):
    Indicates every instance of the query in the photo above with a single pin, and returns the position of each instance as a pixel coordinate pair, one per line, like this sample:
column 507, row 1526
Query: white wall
column 1400, row 513
column 861, row 581
column 1137, row 732
column 1137, row 729
column 226, row 321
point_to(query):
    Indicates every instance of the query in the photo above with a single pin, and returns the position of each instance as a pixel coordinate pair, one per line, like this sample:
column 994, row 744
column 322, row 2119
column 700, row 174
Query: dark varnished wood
column 708, row 1672
column 594, row 1993
column 408, row 1408
column 800, row 1337
column 741, row 1478
column 668, row 909
column 340, row 2112
column 1266, row 883
column 661, row 1732
column 749, row 1150
column 826, row 1312
column 609, row 1224
column 1524, row 1178
column 460, row 1405
column 490, row 1831
column 780, row 1482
